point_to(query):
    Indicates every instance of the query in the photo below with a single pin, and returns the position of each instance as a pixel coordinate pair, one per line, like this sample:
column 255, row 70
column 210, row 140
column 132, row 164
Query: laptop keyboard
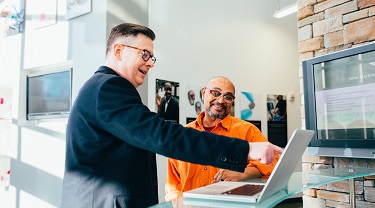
column 245, row 190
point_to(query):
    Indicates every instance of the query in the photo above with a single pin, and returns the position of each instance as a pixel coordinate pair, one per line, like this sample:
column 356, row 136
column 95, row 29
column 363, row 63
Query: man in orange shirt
column 218, row 96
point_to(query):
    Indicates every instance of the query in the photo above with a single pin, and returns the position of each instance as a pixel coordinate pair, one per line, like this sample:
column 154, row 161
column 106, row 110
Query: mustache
column 220, row 104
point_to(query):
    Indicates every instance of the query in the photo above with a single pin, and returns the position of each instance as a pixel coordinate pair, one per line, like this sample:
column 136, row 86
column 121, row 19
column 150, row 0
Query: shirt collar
column 170, row 98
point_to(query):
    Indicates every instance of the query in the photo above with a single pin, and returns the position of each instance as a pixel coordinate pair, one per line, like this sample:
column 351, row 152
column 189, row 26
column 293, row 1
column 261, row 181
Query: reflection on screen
column 345, row 97
column 49, row 94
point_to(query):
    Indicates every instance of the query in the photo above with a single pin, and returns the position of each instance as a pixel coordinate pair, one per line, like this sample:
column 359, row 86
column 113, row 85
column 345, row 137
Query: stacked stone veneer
column 326, row 26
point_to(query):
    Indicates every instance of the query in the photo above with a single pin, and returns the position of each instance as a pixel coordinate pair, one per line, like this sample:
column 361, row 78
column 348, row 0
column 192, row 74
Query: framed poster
column 12, row 17
column 277, row 120
column 194, row 104
column 167, row 100
column 75, row 8
column 43, row 13
column 250, row 108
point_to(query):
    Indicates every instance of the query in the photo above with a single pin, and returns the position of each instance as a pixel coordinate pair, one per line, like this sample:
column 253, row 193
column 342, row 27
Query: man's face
column 198, row 107
column 168, row 92
column 279, row 98
column 191, row 97
column 218, row 107
column 131, row 64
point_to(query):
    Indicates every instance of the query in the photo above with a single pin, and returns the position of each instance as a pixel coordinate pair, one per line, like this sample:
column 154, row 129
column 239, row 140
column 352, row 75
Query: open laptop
column 227, row 191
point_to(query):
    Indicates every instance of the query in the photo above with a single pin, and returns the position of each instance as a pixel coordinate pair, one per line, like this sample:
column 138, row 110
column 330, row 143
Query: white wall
column 239, row 39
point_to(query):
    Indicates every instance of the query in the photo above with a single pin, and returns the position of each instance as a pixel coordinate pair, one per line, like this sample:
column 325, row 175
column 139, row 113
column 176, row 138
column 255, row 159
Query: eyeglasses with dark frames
column 228, row 97
column 146, row 55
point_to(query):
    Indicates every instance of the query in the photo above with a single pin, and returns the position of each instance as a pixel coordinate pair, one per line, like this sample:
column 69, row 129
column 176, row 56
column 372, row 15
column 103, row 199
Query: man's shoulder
column 238, row 121
column 191, row 124
column 175, row 99
column 242, row 123
column 106, row 76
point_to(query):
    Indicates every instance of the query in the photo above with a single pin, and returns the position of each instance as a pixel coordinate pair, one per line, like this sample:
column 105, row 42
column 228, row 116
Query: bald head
column 222, row 83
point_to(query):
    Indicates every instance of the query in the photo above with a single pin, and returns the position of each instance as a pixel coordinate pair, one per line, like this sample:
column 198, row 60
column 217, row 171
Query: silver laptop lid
column 287, row 162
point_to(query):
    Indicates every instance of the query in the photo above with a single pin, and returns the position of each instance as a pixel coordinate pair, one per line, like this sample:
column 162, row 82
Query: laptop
column 229, row 191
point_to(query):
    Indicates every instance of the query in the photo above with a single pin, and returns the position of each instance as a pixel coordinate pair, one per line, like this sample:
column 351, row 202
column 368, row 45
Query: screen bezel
column 48, row 115
column 309, row 98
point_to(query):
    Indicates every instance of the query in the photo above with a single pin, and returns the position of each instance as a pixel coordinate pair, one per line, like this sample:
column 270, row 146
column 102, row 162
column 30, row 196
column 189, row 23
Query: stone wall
column 326, row 26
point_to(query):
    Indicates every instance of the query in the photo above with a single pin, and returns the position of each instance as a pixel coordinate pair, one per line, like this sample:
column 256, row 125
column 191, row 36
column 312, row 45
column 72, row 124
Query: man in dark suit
column 112, row 138
column 169, row 109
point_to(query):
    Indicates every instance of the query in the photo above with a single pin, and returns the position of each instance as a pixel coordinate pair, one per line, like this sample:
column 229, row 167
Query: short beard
column 216, row 115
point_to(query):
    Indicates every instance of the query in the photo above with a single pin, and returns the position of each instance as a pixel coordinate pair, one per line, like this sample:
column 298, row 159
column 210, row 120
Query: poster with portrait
column 194, row 104
column 277, row 119
column 75, row 8
column 167, row 100
column 12, row 17
column 250, row 108
column 43, row 13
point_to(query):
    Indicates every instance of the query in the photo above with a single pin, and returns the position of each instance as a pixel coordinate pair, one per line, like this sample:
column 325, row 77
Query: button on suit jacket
column 111, row 141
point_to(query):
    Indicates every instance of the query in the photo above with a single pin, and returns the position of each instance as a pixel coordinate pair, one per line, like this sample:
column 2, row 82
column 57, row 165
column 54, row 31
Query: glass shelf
column 298, row 182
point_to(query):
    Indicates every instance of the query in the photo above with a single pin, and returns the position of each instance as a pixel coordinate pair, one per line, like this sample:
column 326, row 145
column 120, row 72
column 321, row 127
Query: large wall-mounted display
column 340, row 102
column 45, row 92
column 48, row 95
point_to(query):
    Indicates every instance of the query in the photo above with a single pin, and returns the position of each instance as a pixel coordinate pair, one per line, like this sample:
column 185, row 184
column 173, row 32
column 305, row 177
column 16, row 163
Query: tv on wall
column 48, row 94
column 339, row 93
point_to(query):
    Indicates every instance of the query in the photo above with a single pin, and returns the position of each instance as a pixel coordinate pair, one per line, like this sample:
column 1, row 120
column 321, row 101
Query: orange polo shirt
column 183, row 176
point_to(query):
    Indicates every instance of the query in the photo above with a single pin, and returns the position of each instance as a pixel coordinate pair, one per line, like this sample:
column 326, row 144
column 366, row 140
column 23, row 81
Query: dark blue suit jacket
column 110, row 143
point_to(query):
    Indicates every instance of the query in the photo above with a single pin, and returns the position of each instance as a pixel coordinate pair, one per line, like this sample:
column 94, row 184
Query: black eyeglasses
column 228, row 98
column 146, row 55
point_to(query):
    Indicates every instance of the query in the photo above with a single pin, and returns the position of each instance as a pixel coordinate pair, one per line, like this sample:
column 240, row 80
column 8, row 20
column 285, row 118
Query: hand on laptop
column 229, row 175
column 264, row 152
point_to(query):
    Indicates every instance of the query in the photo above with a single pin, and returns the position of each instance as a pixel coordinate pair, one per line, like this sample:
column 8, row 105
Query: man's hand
column 264, row 152
column 228, row 175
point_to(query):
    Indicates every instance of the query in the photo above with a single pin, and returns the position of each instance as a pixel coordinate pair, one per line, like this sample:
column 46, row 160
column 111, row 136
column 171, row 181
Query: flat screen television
column 48, row 94
column 339, row 94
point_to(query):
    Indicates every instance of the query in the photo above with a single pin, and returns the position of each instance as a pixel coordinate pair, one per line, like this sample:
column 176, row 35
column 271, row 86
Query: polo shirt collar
column 225, row 123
